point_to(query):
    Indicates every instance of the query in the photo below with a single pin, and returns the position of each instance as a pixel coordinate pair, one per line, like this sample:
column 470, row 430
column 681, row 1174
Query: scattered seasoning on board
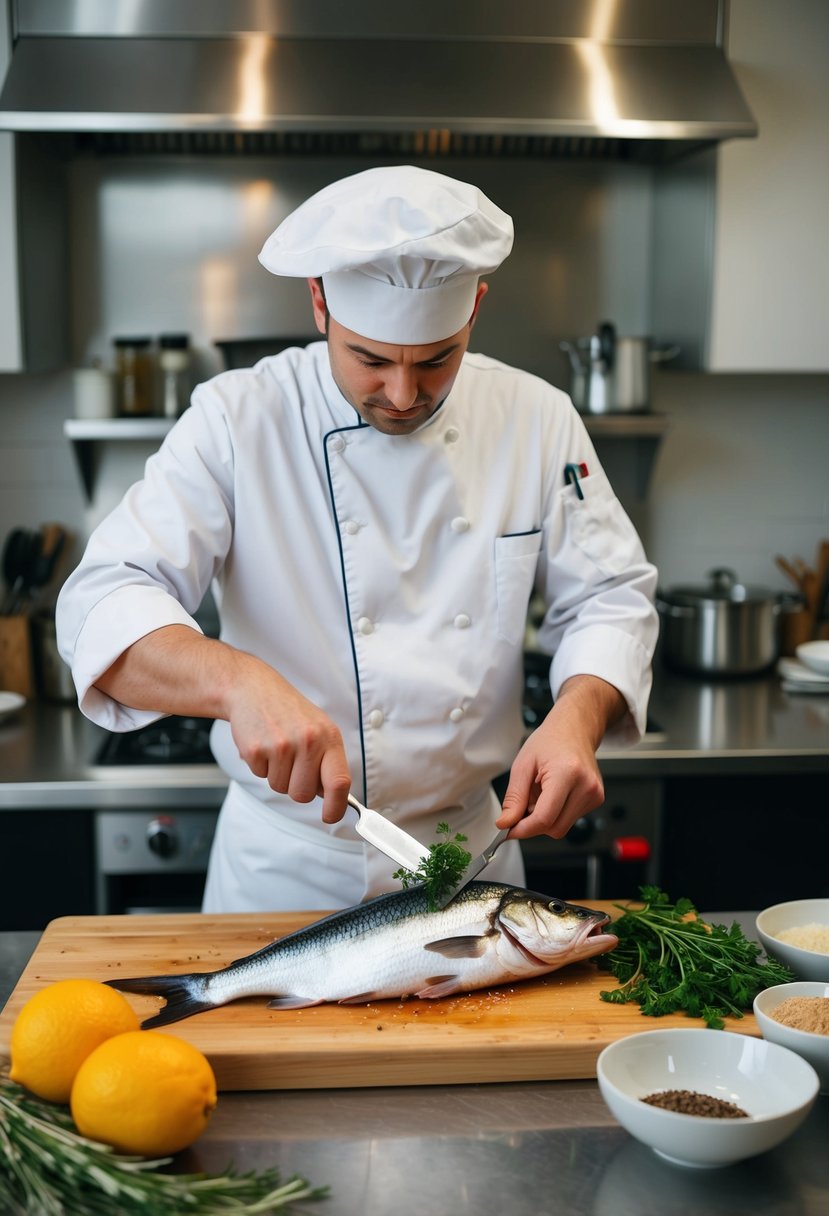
column 804, row 1013
column 688, row 1102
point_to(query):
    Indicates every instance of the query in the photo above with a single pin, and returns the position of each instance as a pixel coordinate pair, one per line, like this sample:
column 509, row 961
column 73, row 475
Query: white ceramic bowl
column 806, row 964
column 808, row 1044
column 776, row 1087
column 814, row 655
column 10, row 703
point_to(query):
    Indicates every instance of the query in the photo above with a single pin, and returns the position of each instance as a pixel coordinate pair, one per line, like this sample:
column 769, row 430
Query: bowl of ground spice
column 797, row 934
column 705, row 1098
column 797, row 1016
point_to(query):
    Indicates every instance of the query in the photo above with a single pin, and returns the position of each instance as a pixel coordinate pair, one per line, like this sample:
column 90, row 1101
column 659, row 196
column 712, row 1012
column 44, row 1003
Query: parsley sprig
column 668, row 959
column 444, row 866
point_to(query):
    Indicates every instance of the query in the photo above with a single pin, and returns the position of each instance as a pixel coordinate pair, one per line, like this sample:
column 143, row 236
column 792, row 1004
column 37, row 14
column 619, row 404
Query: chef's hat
column 399, row 250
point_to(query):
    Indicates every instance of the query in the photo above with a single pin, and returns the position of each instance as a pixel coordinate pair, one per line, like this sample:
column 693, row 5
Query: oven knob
column 631, row 848
column 581, row 830
column 161, row 837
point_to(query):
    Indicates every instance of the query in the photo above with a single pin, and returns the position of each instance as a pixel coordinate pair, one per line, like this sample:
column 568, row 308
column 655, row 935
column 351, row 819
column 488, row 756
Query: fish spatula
column 388, row 837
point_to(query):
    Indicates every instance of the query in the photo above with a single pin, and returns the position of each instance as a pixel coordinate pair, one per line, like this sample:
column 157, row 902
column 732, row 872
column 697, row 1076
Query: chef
column 373, row 514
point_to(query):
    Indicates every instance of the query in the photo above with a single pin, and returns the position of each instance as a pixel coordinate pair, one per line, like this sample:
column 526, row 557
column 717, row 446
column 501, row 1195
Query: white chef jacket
column 386, row 577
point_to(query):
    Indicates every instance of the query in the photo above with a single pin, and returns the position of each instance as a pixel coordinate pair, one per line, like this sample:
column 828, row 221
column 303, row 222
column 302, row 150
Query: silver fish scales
column 393, row 946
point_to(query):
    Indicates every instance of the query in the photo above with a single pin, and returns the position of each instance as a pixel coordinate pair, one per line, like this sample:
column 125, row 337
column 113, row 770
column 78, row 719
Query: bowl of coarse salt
column 797, row 1016
column 705, row 1098
column 797, row 935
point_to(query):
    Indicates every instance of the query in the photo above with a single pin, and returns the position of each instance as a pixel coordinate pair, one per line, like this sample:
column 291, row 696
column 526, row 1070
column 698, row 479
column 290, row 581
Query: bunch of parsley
column 444, row 865
column 668, row 959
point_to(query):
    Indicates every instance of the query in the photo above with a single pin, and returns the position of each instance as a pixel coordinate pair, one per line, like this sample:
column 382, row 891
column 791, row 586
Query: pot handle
column 662, row 356
column 674, row 610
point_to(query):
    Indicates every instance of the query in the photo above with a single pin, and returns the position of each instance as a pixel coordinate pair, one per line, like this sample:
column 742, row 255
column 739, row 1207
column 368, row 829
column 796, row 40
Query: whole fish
column 393, row 946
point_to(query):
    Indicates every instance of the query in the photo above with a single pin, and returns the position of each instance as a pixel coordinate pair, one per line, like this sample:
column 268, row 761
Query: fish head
column 549, row 932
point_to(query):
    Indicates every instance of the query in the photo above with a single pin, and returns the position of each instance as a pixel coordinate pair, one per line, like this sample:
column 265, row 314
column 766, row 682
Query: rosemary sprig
column 444, row 866
column 48, row 1169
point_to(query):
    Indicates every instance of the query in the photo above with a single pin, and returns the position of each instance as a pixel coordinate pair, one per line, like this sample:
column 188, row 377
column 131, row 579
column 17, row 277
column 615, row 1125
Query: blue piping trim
column 336, row 431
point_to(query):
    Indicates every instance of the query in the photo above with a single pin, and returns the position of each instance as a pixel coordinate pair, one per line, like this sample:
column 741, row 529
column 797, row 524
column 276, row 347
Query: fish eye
column 555, row 905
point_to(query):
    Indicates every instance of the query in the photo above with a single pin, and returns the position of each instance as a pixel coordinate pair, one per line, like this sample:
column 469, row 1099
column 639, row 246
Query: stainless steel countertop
column 522, row 1149
column 727, row 726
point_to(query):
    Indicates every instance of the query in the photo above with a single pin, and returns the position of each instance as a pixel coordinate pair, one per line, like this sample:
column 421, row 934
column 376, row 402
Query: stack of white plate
column 809, row 671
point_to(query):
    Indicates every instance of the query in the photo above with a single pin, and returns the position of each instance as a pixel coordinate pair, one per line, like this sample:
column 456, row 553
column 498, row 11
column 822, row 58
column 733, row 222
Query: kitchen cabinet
column 49, row 867
column 740, row 258
column 33, row 256
column 745, row 841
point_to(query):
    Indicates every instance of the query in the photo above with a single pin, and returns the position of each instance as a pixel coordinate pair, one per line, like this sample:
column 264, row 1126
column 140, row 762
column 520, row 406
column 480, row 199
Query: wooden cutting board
column 545, row 1029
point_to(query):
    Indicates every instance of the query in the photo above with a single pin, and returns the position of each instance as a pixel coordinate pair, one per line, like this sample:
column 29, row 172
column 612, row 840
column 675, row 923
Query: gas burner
column 172, row 740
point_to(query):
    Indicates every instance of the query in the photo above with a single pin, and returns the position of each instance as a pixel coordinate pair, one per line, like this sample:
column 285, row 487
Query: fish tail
column 184, row 994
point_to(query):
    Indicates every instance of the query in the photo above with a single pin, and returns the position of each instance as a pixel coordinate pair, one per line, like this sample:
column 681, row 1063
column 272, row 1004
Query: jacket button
column 456, row 714
column 375, row 719
column 460, row 524
column 451, row 435
column 351, row 527
column 462, row 621
column 337, row 444
column 365, row 625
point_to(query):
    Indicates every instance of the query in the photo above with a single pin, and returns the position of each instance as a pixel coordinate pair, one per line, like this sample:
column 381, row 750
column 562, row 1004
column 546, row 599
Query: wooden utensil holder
column 16, row 666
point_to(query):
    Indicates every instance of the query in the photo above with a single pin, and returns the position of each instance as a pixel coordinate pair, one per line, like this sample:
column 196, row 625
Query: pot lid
column 723, row 585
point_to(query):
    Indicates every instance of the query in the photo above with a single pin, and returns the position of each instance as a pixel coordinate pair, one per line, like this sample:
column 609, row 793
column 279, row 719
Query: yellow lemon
column 57, row 1029
column 145, row 1093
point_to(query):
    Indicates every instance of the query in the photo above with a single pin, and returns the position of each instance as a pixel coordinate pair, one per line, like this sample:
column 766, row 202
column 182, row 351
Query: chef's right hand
column 280, row 734
column 284, row 737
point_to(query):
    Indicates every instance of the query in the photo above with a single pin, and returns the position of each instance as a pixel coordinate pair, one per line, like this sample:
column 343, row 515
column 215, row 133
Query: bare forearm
column 555, row 778
column 594, row 703
column 281, row 735
column 177, row 670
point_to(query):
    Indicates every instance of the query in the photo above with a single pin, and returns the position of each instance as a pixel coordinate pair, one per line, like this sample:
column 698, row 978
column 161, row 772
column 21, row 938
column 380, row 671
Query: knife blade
column 388, row 837
column 474, row 868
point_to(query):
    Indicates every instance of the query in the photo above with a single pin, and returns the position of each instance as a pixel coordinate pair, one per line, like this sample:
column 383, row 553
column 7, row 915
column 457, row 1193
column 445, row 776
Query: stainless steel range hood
column 636, row 71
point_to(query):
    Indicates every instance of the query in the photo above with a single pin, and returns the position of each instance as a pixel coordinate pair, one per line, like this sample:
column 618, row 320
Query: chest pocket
column 598, row 525
column 516, row 558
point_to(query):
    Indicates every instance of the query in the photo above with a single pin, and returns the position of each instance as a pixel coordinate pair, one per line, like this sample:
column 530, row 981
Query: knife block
column 16, row 667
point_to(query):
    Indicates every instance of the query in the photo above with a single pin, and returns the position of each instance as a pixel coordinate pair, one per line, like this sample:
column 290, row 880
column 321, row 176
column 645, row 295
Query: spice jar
column 134, row 369
column 174, row 360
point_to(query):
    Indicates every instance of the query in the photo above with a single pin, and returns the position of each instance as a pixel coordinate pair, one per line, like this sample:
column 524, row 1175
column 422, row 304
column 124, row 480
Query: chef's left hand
column 555, row 778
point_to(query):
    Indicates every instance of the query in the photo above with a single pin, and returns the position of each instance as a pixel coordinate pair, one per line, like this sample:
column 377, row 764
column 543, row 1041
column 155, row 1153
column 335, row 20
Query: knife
column 388, row 837
column 474, row 868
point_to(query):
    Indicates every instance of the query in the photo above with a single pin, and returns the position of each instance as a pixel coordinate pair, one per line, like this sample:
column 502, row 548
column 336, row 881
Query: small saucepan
column 724, row 627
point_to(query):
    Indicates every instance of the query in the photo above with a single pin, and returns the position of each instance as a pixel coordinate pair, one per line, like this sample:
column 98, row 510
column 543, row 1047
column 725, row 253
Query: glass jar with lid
column 135, row 373
column 174, row 361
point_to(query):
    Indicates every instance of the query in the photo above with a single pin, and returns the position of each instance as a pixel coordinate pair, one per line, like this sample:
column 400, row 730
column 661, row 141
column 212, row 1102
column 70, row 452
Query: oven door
column 151, row 861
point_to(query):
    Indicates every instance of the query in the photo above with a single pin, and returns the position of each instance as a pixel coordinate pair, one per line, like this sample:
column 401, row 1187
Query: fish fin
column 293, row 1002
column 361, row 998
column 469, row 946
column 183, row 994
column 439, row 985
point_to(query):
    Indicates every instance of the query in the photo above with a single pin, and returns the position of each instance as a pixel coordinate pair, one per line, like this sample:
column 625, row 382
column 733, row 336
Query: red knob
column 631, row 848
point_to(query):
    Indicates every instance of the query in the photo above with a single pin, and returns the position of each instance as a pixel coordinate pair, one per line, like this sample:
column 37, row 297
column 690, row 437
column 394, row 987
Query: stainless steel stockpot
column 722, row 628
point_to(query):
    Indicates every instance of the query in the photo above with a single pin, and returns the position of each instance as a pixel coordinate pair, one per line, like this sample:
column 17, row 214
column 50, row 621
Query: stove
column 172, row 740
column 151, row 858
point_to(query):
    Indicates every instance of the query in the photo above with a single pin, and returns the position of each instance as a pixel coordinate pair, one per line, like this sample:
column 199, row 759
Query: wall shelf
column 640, row 434
column 86, row 433
column 626, row 426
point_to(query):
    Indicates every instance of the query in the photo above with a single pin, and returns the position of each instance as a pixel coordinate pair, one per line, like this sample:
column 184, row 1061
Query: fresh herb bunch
column 47, row 1168
column 444, row 866
column 669, row 959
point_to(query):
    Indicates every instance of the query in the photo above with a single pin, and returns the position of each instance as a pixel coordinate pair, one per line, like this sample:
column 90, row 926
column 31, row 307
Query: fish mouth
column 587, row 941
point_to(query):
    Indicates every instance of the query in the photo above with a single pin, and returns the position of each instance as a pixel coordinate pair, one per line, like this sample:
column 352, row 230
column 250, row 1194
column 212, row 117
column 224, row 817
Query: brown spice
column 804, row 1013
column 688, row 1102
